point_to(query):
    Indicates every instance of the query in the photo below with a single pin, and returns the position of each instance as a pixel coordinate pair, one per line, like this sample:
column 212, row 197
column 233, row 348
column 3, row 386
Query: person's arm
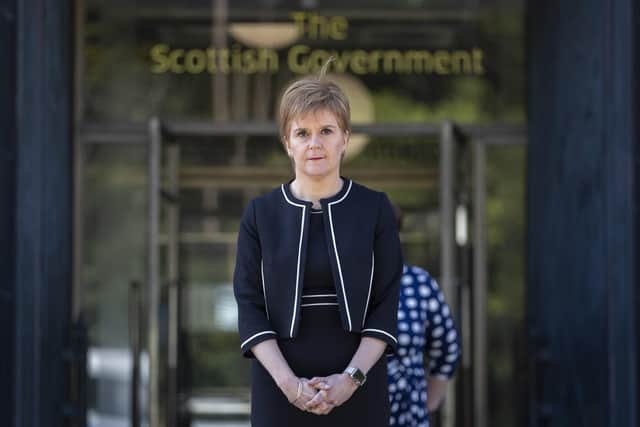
column 253, row 320
column 436, row 391
column 340, row 387
column 443, row 346
column 381, row 317
column 269, row 355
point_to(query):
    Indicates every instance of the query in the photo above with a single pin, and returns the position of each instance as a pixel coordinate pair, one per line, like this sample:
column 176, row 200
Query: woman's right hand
column 290, row 388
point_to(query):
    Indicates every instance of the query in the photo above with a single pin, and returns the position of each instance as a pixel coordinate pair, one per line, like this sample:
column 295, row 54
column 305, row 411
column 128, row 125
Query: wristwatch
column 356, row 375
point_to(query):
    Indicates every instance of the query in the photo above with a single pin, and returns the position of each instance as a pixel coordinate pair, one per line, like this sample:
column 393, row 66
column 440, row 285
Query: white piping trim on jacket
column 318, row 303
column 295, row 301
column 264, row 292
column 382, row 332
column 256, row 335
column 366, row 307
column 335, row 248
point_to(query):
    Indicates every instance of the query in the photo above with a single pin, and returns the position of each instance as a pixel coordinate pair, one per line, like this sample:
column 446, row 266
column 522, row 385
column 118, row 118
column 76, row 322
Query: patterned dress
column 424, row 326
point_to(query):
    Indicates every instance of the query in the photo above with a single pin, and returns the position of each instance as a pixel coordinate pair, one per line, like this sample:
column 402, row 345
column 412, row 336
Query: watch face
column 358, row 376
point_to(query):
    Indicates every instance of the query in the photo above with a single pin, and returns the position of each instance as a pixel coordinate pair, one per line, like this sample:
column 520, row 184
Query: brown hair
column 311, row 94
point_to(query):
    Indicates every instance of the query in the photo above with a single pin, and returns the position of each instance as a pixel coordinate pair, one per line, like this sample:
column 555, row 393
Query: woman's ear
column 285, row 143
column 347, row 135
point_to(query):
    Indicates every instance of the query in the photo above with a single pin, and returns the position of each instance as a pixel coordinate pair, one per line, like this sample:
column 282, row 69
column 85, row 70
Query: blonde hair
column 312, row 94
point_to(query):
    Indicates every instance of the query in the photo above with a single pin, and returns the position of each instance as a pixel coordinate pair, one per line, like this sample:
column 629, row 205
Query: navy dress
column 425, row 325
column 321, row 348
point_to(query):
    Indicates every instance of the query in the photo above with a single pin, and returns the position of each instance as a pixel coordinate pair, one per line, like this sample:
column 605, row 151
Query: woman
column 425, row 325
column 317, row 278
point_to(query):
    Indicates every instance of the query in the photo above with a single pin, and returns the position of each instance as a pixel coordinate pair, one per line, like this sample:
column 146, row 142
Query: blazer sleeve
column 253, row 320
column 382, row 313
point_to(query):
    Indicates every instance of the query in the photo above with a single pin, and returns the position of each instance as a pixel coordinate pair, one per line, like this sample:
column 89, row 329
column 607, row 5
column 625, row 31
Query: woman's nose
column 315, row 140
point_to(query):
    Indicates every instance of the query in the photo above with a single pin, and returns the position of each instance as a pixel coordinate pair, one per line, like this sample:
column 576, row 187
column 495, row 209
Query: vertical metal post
column 447, row 239
column 80, row 347
column 447, row 212
column 173, row 246
column 135, row 320
column 480, row 403
column 78, row 162
column 220, row 94
column 153, row 270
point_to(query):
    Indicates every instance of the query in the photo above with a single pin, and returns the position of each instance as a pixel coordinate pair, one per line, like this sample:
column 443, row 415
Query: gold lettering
column 374, row 59
column 236, row 60
column 195, row 61
column 341, row 61
column 211, row 60
column 318, row 58
column 478, row 66
column 302, row 59
column 318, row 27
column 297, row 65
column 159, row 55
column 269, row 60
column 442, row 60
column 339, row 27
column 249, row 61
column 419, row 61
column 298, row 20
column 461, row 62
column 174, row 58
column 359, row 62
column 393, row 62
column 223, row 63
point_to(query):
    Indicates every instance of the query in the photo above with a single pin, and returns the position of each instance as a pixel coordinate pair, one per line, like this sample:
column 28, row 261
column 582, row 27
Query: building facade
column 134, row 134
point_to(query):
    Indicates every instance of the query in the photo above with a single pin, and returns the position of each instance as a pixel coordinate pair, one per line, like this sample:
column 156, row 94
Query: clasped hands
column 319, row 395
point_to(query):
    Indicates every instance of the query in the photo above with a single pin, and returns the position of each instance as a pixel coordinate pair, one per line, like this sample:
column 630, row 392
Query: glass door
column 206, row 174
column 160, row 212
column 110, row 291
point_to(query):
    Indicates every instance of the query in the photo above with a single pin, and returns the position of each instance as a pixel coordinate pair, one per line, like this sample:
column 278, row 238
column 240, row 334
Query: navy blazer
column 365, row 257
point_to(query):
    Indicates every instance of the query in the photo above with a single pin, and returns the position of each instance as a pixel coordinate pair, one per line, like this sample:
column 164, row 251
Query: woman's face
column 316, row 144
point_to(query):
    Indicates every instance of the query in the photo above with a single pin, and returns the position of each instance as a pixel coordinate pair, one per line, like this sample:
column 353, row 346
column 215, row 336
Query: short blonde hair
column 312, row 94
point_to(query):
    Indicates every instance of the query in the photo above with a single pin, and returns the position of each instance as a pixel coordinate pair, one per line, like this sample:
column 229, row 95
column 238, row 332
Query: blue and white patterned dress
column 424, row 325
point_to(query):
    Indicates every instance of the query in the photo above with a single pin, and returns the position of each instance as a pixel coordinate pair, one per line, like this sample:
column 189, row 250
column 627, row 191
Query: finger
column 322, row 384
column 332, row 402
column 308, row 392
column 321, row 409
column 315, row 381
column 327, row 408
column 302, row 405
column 317, row 399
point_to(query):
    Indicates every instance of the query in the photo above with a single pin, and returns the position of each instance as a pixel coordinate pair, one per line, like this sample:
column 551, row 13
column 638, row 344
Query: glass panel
column 218, row 176
column 506, row 292
column 408, row 61
column 114, row 217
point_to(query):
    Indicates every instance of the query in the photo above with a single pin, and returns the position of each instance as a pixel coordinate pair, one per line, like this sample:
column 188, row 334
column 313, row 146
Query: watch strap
column 356, row 375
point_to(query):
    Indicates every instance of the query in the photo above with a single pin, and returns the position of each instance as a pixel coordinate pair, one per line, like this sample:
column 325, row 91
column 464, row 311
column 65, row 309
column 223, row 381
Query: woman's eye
column 326, row 131
column 301, row 133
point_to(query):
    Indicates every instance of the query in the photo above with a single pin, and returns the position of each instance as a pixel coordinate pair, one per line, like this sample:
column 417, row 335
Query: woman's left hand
column 340, row 388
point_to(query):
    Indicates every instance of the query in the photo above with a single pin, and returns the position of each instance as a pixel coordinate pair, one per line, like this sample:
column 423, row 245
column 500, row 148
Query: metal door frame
column 451, row 135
